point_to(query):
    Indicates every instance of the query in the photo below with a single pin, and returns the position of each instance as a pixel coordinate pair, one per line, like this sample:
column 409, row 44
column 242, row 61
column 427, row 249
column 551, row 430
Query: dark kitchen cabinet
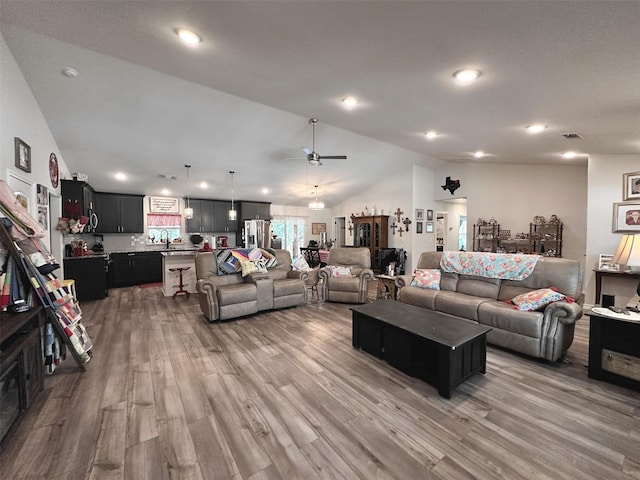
column 90, row 276
column 135, row 268
column 203, row 213
column 255, row 210
column 119, row 213
column 77, row 199
column 221, row 222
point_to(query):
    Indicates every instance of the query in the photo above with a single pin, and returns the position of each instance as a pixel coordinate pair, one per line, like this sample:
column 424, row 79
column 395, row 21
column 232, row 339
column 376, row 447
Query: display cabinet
column 371, row 232
column 546, row 239
column 485, row 237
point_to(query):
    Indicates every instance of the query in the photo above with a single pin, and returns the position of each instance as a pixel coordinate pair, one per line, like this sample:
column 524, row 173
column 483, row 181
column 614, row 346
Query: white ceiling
column 145, row 104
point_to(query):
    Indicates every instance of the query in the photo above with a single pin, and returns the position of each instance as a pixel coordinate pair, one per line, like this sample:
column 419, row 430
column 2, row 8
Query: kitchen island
column 172, row 260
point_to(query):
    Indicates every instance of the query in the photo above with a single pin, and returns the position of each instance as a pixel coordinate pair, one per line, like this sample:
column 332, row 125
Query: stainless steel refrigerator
column 257, row 234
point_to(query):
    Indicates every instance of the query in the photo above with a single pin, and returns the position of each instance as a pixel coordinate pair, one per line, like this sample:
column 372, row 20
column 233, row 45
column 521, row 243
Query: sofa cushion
column 426, row 278
column 241, row 292
column 419, row 297
column 536, row 299
column 289, row 286
column 479, row 286
column 344, row 284
column 301, row 264
column 501, row 315
column 338, row 271
column 459, row 304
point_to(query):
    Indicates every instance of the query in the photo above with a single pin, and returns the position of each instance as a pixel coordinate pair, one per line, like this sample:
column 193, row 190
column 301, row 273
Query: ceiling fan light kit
column 313, row 157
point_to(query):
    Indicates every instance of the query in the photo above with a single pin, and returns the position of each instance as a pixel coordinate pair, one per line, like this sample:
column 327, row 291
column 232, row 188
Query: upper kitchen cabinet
column 203, row 213
column 255, row 210
column 77, row 199
column 119, row 213
column 221, row 222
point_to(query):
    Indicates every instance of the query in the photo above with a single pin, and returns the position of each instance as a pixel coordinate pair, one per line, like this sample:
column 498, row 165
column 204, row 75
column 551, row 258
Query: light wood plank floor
column 283, row 395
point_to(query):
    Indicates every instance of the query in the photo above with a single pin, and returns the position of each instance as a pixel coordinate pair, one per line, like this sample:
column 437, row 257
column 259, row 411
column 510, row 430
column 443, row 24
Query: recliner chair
column 351, row 289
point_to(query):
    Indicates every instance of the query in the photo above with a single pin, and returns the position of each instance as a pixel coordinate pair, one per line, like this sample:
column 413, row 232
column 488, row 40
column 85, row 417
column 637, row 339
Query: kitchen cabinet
column 135, row 268
column 119, row 213
column 371, row 232
column 90, row 275
column 77, row 199
column 210, row 216
column 255, row 210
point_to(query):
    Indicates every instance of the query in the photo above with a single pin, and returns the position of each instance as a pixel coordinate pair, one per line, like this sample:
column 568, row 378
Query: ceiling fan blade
column 307, row 150
column 333, row 157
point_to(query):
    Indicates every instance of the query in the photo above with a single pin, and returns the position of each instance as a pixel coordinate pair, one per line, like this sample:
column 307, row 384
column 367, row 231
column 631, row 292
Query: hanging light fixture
column 233, row 213
column 316, row 204
column 188, row 211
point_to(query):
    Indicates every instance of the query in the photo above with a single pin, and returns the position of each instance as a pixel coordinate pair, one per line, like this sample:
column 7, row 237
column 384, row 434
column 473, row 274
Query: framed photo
column 42, row 195
column 318, row 228
column 419, row 214
column 43, row 217
column 604, row 263
column 631, row 186
column 626, row 217
column 429, row 215
column 418, row 227
column 23, row 155
column 429, row 227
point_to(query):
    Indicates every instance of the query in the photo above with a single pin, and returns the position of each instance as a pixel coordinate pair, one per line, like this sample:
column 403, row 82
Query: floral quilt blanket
column 506, row 266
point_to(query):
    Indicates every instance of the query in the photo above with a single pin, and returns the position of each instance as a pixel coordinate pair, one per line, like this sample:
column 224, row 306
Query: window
column 161, row 226
column 292, row 232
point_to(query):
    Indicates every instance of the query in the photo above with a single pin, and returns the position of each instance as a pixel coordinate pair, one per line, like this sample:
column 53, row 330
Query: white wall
column 20, row 116
column 605, row 189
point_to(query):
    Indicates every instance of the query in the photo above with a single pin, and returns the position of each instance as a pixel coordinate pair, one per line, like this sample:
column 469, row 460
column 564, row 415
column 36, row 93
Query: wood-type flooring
column 283, row 395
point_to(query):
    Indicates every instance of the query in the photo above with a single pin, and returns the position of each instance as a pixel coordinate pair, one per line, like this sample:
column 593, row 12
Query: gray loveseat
column 229, row 296
column 545, row 334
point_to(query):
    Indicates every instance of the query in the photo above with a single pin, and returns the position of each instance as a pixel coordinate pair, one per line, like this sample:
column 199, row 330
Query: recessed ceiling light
column 188, row 37
column 349, row 102
column 479, row 154
column 165, row 191
column 431, row 134
column 120, row 176
column 466, row 76
column 265, row 190
column 569, row 155
column 204, row 184
column 70, row 72
column 536, row 128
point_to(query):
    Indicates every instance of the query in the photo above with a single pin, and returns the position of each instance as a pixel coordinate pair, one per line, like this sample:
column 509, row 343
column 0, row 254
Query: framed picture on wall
column 429, row 227
column 429, row 215
column 419, row 214
column 418, row 227
column 626, row 217
column 631, row 186
column 318, row 228
column 23, row 155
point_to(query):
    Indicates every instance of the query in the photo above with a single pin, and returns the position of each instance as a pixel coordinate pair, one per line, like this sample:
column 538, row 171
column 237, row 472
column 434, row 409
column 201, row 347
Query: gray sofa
column 545, row 334
column 229, row 296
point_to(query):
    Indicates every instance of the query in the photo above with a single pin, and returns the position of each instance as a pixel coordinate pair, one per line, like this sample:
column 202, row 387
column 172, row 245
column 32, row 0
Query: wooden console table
column 610, row 273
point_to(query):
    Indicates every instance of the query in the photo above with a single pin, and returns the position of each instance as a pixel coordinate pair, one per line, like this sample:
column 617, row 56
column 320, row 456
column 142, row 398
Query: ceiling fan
column 312, row 156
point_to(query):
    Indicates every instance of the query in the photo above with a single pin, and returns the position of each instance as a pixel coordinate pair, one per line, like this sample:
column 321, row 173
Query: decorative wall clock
column 54, row 173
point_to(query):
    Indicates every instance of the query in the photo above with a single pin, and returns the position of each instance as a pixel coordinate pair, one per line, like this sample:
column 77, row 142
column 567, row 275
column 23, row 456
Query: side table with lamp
column 614, row 333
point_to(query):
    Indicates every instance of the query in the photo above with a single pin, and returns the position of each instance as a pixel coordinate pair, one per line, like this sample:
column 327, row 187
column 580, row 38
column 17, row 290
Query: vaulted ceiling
column 146, row 105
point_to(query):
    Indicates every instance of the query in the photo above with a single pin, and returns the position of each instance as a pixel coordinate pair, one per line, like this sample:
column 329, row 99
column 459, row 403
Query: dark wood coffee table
column 440, row 349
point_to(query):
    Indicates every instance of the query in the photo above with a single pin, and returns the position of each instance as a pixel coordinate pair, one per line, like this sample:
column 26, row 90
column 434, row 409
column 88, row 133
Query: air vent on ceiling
column 168, row 177
column 571, row 136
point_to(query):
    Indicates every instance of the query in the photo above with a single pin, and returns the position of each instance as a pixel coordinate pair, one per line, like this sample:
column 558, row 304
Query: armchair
column 352, row 289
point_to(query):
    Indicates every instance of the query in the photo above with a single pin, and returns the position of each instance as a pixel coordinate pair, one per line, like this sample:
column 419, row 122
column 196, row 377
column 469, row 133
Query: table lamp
column 628, row 256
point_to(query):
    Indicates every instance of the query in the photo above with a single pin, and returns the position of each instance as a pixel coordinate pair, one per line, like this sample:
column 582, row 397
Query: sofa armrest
column 208, row 298
column 565, row 312
column 365, row 274
column 403, row 280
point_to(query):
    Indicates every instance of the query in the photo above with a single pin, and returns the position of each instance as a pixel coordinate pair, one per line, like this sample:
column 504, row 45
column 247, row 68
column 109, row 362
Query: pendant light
column 233, row 213
column 316, row 204
column 188, row 211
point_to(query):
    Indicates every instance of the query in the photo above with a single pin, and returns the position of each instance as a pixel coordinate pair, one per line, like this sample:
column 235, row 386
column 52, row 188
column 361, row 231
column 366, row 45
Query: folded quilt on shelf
column 506, row 266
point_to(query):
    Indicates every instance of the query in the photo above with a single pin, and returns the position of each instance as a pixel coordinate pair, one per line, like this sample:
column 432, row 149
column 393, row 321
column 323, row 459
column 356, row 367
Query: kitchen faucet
column 167, row 232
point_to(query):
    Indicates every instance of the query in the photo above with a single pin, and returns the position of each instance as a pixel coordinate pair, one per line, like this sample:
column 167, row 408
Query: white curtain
column 292, row 231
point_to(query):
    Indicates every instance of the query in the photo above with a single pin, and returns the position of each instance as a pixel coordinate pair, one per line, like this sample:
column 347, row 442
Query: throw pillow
column 426, row 278
column 301, row 264
column 249, row 267
column 340, row 272
column 537, row 299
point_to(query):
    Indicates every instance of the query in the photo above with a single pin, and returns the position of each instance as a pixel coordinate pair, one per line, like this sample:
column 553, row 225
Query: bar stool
column 71, row 285
column 181, row 285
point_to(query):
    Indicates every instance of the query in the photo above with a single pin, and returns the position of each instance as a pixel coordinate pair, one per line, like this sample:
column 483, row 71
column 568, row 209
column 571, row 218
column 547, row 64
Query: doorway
column 338, row 231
